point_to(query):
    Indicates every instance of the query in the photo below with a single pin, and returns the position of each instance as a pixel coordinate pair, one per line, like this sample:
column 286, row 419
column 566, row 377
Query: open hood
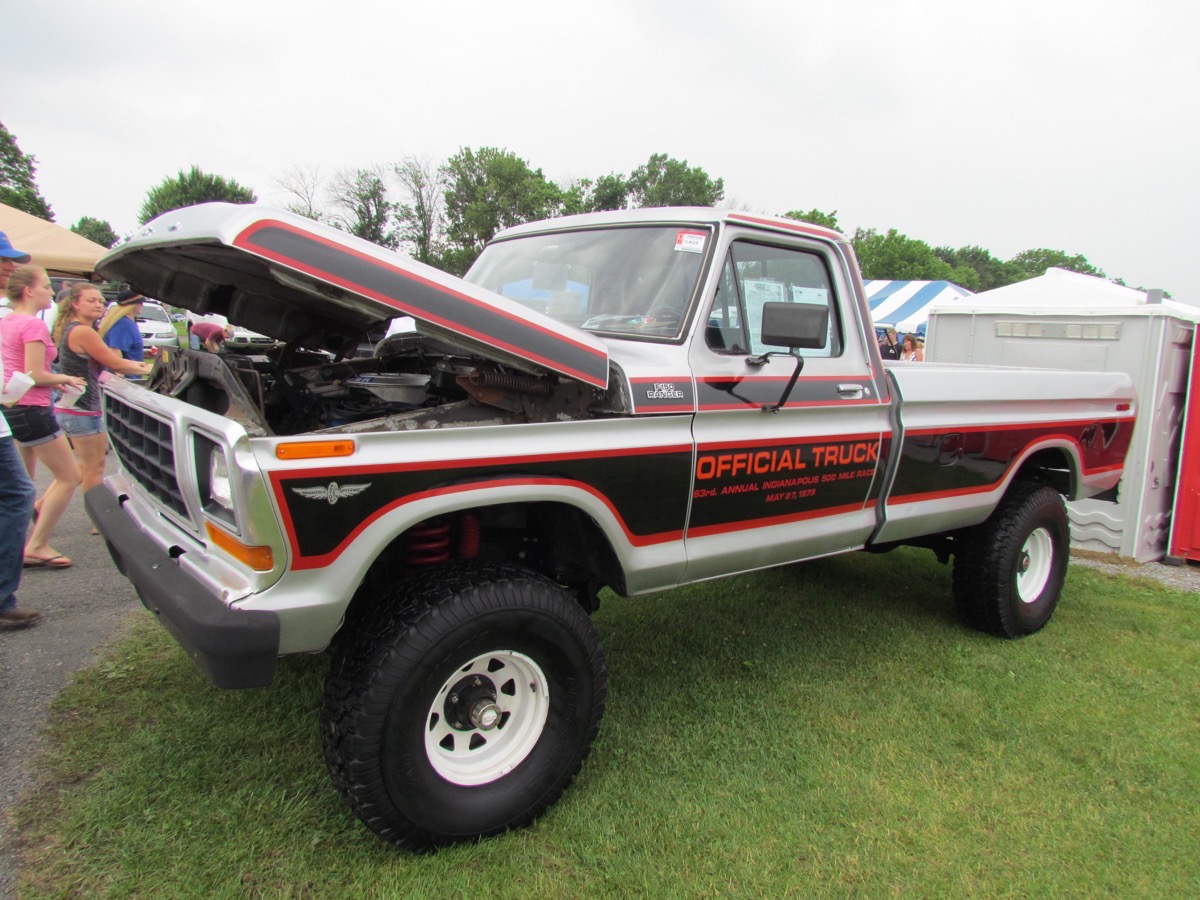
column 294, row 279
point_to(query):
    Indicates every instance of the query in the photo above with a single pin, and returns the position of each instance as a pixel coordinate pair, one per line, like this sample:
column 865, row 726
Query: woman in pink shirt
column 26, row 347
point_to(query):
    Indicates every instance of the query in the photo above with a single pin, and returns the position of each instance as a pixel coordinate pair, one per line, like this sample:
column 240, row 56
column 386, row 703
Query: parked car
column 243, row 340
column 156, row 327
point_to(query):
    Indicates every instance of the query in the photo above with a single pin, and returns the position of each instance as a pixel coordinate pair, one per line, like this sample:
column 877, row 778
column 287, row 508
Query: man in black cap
column 16, row 490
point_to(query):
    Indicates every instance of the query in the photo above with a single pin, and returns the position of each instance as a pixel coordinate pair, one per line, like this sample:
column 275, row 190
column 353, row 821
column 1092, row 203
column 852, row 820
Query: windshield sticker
column 690, row 241
column 817, row 296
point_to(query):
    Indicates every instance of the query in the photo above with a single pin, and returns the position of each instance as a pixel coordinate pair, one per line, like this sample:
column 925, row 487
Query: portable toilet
column 1185, row 523
column 1064, row 320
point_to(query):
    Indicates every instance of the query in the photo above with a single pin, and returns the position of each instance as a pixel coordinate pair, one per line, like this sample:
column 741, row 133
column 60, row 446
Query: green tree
column 1036, row 262
column 663, row 181
column 362, row 206
column 815, row 217
column 992, row 272
column 18, row 182
column 585, row 195
column 96, row 230
column 486, row 190
column 189, row 188
column 899, row 257
column 420, row 220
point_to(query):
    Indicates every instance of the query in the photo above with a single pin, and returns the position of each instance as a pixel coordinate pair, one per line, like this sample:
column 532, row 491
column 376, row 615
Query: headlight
column 216, row 485
column 216, row 492
column 220, row 491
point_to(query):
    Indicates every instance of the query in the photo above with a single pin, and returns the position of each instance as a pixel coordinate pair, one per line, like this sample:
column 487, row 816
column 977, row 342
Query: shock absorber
column 428, row 543
column 468, row 536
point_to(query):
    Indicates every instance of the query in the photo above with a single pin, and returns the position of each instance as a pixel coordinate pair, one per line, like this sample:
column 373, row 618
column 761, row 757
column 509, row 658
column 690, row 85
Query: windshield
column 154, row 314
column 632, row 281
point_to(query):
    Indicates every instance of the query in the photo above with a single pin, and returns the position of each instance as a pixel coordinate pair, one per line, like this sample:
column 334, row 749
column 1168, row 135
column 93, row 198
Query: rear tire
column 466, row 710
column 1009, row 571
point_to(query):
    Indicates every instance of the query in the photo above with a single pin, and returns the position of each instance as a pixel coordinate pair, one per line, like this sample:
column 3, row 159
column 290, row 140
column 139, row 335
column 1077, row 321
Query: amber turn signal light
column 260, row 559
column 314, row 449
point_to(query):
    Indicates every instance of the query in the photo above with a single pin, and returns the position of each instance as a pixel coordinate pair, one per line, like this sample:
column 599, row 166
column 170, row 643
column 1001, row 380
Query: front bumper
column 234, row 648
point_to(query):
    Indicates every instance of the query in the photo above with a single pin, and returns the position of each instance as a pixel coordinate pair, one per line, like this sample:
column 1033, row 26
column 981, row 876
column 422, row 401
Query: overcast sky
column 1010, row 125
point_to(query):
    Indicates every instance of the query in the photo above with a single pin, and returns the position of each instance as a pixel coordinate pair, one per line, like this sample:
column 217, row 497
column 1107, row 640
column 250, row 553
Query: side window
column 726, row 331
column 755, row 274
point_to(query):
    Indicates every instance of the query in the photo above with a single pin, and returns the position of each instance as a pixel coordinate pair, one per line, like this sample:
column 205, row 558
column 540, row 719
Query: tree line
column 444, row 213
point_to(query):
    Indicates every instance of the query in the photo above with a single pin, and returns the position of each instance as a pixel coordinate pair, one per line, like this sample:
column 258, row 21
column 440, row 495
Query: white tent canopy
column 58, row 250
column 1059, row 290
column 906, row 304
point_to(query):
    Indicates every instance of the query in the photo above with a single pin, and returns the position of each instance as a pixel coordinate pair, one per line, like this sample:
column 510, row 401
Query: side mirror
column 795, row 325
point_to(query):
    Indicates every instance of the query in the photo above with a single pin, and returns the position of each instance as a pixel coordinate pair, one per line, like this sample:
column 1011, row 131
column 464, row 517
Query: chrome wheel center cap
column 485, row 715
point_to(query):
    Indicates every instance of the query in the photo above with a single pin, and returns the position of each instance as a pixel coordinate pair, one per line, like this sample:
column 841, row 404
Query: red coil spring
column 428, row 543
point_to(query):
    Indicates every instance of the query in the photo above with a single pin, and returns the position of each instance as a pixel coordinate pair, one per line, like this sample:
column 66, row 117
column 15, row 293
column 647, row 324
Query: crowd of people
column 57, row 420
column 910, row 348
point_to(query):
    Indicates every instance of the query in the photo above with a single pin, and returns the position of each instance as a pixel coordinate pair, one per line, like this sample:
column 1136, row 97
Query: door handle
column 850, row 391
column 950, row 449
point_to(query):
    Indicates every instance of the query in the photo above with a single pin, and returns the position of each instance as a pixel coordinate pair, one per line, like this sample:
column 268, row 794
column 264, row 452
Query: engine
column 409, row 381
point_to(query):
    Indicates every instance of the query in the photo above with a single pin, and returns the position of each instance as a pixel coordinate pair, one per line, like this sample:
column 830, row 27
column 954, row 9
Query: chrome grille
column 145, row 448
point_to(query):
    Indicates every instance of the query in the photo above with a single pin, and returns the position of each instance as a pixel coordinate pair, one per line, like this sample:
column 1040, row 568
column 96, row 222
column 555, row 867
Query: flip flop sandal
column 47, row 562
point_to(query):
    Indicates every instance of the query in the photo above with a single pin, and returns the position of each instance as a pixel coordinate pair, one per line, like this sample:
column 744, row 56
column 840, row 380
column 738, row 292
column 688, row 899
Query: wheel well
column 555, row 539
column 1052, row 466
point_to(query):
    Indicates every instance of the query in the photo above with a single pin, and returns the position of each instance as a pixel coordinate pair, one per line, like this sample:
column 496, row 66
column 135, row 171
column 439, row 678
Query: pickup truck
column 630, row 401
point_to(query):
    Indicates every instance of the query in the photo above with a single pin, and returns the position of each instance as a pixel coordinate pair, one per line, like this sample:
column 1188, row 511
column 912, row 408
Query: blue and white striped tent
column 905, row 304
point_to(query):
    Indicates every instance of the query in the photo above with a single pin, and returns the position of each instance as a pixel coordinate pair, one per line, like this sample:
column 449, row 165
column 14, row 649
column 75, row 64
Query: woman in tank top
column 83, row 353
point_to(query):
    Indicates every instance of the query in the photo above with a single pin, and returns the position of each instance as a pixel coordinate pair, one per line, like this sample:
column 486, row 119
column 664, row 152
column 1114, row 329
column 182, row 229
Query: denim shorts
column 76, row 425
column 32, row 425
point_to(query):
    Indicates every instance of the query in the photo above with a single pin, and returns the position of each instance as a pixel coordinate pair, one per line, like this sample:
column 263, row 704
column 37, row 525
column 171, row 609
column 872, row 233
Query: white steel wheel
column 1009, row 570
column 1034, row 565
column 486, row 718
column 464, row 705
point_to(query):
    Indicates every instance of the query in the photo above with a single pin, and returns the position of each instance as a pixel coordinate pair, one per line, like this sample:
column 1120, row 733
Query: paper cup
column 16, row 388
column 70, row 394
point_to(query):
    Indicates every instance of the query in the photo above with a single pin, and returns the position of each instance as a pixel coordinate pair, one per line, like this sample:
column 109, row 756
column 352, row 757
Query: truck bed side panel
column 966, row 432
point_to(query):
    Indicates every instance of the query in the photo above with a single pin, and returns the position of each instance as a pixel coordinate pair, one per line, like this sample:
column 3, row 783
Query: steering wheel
column 666, row 317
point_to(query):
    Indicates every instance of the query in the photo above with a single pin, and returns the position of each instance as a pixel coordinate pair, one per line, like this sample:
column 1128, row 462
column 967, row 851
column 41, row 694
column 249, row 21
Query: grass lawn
column 820, row 729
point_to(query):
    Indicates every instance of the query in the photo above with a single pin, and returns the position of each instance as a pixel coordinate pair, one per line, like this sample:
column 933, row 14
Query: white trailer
column 1064, row 320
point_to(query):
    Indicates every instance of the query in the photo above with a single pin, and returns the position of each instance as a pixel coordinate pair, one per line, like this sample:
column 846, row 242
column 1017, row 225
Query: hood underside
column 299, row 281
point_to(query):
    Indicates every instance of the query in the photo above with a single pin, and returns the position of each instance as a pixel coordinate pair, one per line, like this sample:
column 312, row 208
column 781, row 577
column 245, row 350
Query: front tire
column 465, row 707
column 1009, row 571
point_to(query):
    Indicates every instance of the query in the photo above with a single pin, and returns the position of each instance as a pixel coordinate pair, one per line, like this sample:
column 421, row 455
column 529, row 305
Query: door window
column 755, row 274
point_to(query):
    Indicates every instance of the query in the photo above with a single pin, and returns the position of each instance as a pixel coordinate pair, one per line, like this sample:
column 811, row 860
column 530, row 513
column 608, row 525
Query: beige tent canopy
column 54, row 248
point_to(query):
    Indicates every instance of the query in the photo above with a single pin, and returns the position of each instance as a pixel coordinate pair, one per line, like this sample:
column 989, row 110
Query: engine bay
column 409, row 381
